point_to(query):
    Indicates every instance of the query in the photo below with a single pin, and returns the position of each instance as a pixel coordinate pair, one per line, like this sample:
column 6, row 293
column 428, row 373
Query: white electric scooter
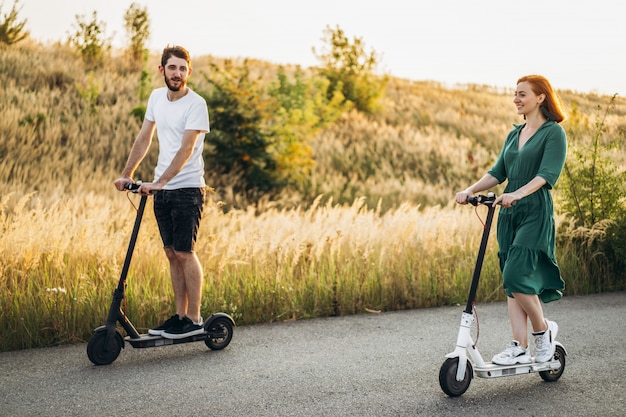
column 457, row 371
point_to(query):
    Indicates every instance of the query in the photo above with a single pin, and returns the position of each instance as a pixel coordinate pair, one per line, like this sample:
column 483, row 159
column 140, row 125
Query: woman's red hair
column 551, row 106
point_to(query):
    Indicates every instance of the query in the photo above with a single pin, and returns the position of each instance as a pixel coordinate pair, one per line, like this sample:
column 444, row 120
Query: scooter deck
column 148, row 340
column 491, row 370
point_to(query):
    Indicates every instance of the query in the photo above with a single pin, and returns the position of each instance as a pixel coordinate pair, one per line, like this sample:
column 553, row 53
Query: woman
column 531, row 160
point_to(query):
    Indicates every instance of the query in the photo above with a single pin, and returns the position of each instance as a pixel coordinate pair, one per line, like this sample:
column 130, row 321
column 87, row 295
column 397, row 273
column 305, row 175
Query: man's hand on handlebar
column 121, row 182
column 147, row 188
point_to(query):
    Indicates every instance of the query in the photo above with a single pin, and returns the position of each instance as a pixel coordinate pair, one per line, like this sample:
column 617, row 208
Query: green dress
column 526, row 231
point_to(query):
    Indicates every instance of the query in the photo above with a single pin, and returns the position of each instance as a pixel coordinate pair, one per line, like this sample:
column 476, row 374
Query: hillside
column 366, row 232
column 65, row 129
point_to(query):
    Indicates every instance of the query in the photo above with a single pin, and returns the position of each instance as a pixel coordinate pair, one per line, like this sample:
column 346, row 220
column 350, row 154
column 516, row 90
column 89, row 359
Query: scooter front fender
column 110, row 333
column 461, row 353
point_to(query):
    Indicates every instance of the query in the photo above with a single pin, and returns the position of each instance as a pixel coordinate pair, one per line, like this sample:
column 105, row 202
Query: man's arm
column 180, row 159
column 137, row 153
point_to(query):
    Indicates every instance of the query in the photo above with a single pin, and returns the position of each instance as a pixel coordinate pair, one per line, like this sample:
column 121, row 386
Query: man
column 180, row 117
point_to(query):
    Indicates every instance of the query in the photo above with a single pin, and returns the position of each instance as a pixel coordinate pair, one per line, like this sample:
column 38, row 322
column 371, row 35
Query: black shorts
column 178, row 213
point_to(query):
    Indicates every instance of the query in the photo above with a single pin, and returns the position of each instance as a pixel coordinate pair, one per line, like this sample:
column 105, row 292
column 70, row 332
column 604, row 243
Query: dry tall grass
column 372, row 231
column 60, row 263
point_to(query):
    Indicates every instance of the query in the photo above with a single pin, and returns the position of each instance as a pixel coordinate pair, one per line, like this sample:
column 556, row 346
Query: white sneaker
column 544, row 343
column 512, row 355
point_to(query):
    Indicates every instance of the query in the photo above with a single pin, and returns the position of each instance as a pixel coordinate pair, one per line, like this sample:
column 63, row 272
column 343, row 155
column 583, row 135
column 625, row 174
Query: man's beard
column 172, row 87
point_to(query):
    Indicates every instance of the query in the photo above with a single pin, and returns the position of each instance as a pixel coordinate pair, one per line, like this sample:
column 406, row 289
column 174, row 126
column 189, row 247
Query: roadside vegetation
column 331, row 192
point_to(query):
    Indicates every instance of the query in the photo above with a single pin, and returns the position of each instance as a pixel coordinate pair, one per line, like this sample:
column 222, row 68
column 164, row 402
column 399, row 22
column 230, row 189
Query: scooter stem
column 479, row 261
column 115, row 311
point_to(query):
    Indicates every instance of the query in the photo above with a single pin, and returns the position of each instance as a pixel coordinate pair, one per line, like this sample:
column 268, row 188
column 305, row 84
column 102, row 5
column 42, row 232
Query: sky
column 577, row 45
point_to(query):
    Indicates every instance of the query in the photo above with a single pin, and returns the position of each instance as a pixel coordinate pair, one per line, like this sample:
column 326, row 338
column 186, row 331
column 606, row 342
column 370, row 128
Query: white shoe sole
column 553, row 328
column 182, row 336
column 518, row 361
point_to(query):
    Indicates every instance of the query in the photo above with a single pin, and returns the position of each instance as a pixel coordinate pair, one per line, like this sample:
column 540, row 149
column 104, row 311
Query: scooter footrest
column 491, row 370
column 147, row 340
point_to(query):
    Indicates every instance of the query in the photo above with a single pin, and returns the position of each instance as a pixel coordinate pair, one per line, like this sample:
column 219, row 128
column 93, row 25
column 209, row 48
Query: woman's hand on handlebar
column 507, row 200
column 461, row 197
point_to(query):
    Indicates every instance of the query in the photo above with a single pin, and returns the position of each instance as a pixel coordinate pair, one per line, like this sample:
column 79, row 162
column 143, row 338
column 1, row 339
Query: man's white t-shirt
column 172, row 119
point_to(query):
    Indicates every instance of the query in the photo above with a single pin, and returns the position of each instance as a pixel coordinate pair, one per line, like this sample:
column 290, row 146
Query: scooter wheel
column 99, row 353
column 220, row 333
column 551, row 376
column 447, row 377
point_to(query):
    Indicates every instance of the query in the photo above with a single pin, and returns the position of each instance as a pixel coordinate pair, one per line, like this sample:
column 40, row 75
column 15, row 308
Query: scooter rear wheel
column 97, row 350
column 551, row 376
column 220, row 333
column 447, row 377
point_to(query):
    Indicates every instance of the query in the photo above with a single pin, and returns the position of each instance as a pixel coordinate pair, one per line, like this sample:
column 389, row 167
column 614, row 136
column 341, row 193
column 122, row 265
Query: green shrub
column 351, row 69
column 11, row 30
column 593, row 196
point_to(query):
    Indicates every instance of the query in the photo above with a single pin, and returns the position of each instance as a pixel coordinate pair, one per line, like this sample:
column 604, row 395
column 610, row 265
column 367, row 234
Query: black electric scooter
column 456, row 372
column 107, row 342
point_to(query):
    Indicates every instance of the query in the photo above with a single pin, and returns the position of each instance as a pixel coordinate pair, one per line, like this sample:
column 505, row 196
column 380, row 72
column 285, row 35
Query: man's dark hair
column 178, row 52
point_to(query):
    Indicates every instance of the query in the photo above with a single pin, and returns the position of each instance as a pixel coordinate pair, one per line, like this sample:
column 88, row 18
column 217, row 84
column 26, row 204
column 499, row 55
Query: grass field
column 61, row 263
column 373, row 230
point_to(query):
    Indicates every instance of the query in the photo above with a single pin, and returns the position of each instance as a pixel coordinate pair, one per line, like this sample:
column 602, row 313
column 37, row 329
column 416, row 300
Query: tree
column 137, row 23
column 12, row 31
column 90, row 41
column 303, row 110
column 240, row 138
column 351, row 69
column 260, row 133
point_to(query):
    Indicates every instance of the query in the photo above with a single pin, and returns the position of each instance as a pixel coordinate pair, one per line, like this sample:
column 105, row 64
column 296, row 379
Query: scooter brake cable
column 132, row 203
column 477, row 324
column 479, row 218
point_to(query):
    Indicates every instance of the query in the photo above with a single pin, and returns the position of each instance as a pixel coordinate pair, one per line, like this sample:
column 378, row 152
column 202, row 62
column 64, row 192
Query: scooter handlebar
column 132, row 186
column 481, row 199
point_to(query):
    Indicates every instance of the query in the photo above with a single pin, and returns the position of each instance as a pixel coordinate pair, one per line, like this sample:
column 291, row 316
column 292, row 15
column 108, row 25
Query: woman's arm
column 533, row 185
column 486, row 182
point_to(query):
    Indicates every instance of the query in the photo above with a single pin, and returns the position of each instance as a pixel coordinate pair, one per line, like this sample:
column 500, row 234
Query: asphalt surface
column 366, row 365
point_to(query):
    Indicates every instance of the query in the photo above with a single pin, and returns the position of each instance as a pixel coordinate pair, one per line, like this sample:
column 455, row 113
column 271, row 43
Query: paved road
column 367, row 365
